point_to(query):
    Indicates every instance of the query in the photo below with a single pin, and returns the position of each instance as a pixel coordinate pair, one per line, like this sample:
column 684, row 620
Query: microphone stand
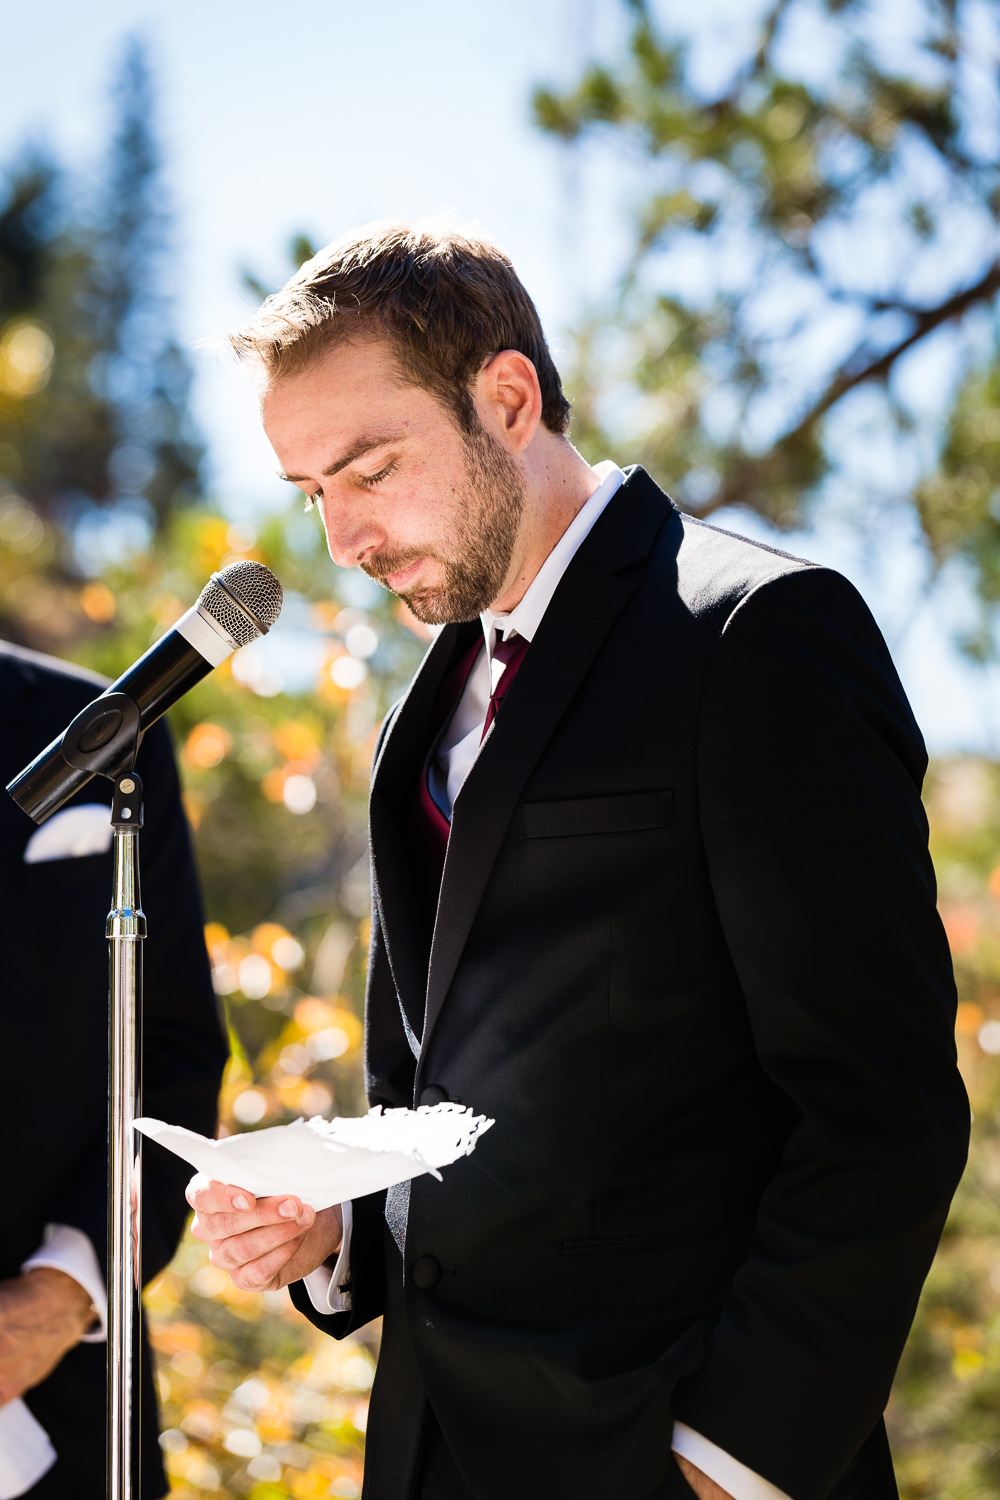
column 126, row 928
column 104, row 739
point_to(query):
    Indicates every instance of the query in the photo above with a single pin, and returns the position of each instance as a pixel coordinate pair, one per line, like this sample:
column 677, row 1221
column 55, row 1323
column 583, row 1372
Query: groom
column 651, row 888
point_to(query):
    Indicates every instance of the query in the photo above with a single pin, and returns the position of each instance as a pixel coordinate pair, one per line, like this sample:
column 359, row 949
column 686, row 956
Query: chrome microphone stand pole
column 103, row 740
column 126, row 928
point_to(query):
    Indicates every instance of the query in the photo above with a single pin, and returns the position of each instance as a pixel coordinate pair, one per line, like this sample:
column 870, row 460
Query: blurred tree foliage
column 101, row 549
column 806, row 226
column 95, row 432
column 140, row 369
column 945, row 1407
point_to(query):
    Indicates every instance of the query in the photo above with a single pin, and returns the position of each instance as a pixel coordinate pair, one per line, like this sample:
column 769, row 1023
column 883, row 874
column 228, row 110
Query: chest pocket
column 624, row 812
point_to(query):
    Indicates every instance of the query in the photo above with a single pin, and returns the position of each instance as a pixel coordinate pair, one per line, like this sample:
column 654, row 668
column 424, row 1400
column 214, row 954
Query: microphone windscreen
column 244, row 598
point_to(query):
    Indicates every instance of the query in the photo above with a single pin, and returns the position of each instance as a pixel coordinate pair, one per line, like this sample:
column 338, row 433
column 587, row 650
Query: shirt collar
column 526, row 616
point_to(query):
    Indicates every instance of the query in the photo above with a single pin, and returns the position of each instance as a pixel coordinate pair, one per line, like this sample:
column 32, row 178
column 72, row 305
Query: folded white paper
column 329, row 1161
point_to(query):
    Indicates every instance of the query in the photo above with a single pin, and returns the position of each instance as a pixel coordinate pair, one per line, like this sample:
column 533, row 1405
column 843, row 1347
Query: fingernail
column 240, row 1202
column 289, row 1209
column 307, row 1215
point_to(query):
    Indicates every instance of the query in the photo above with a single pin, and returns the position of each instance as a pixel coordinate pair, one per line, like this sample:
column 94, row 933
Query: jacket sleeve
column 367, row 1273
column 810, row 765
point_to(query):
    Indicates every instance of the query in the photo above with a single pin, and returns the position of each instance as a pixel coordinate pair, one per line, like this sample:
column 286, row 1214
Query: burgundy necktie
column 511, row 653
column 429, row 827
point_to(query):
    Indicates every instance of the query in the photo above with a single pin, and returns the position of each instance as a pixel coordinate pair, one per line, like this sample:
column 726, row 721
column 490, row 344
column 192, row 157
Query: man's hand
column 704, row 1488
column 264, row 1243
column 43, row 1313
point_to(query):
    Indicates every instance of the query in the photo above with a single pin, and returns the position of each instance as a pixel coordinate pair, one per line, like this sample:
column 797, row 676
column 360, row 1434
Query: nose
column 352, row 534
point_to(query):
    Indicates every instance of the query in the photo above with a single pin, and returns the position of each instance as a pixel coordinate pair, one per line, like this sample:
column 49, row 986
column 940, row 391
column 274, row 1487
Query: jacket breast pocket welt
column 622, row 812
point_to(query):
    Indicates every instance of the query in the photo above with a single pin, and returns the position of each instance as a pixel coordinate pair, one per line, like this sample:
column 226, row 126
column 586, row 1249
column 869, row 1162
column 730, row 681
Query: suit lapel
column 394, row 784
column 590, row 597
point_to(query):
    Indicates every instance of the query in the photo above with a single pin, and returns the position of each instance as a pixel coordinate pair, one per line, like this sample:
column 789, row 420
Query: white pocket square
column 71, row 833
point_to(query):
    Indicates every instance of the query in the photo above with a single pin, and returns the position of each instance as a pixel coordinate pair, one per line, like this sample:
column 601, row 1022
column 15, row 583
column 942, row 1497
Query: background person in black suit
column 651, row 889
column 55, row 892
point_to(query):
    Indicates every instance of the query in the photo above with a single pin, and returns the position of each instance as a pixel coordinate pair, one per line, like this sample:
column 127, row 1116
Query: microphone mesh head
column 255, row 588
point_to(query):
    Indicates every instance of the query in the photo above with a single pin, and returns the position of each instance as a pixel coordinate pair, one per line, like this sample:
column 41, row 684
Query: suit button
column 433, row 1094
column 426, row 1272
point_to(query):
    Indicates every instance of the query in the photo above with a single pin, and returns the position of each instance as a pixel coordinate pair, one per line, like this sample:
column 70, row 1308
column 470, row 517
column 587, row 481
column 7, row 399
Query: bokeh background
column 763, row 238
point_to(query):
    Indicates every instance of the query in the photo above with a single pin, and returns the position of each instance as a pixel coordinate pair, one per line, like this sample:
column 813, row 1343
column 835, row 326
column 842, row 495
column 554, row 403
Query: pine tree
column 94, row 388
column 144, row 371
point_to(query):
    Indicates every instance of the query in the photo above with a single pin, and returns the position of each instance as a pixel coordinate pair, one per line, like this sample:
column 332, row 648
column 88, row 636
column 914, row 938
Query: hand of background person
column 43, row 1314
column 703, row 1487
column 264, row 1243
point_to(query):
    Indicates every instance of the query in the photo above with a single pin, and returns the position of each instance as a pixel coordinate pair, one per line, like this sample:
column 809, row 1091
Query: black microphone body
column 237, row 605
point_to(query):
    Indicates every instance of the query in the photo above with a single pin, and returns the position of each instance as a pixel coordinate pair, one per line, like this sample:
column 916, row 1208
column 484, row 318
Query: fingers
column 211, row 1197
column 251, row 1238
column 286, row 1217
column 223, row 1210
column 254, row 1239
column 232, row 1251
column 264, row 1274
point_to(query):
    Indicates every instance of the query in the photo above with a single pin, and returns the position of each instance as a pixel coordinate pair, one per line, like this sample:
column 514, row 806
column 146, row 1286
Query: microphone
column 235, row 607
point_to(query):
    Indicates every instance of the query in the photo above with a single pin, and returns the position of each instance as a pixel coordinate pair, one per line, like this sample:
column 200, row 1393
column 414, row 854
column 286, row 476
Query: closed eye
column 369, row 481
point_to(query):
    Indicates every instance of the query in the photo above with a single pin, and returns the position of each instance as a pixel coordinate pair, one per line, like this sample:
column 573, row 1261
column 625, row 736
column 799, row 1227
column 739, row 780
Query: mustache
column 384, row 564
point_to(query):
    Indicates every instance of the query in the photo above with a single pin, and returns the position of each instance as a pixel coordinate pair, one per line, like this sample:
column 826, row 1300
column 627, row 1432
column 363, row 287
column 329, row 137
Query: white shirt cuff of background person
column 328, row 1294
column 26, row 1451
column 69, row 1250
column 732, row 1476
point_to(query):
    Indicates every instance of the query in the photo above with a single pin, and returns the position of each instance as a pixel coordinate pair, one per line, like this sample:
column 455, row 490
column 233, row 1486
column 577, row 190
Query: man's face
column 422, row 508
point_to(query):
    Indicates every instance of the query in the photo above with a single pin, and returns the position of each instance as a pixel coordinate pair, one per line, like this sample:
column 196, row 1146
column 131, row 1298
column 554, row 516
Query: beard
column 479, row 551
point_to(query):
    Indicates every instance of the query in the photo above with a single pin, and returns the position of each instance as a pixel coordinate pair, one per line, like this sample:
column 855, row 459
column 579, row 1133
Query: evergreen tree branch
column 857, row 370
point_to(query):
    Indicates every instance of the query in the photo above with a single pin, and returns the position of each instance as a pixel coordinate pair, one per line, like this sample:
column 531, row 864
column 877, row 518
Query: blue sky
column 313, row 117
column 278, row 119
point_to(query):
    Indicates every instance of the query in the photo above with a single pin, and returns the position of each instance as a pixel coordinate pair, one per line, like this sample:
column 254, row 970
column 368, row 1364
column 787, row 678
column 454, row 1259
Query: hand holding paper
column 298, row 1173
column 328, row 1161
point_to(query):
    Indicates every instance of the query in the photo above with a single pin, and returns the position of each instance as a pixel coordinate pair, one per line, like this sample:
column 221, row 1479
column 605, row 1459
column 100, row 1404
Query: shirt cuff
column 66, row 1249
column 330, row 1291
column 26, row 1452
column 735, row 1478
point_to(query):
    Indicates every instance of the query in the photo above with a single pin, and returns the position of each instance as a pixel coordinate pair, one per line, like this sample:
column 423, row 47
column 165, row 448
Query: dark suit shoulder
column 23, row 671
column 709, row 570
column 717, row 570
column 41, row 695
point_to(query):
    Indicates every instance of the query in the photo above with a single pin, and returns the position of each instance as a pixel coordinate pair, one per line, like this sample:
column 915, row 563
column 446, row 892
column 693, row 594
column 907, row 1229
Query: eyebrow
column 350, row 455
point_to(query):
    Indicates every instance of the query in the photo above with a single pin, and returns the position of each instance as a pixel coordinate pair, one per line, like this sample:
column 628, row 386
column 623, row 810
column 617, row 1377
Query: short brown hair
column 445, row 301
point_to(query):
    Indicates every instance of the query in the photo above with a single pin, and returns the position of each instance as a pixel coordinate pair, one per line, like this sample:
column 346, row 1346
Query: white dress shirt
column 26, row 1451
column 457, row 752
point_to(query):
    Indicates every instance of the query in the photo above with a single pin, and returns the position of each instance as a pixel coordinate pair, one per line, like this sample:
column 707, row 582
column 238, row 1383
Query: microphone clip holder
column 104, row 737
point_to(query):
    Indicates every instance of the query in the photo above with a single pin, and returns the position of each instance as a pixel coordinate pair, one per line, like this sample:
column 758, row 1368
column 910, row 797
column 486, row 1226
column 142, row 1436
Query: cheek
column 420, row 508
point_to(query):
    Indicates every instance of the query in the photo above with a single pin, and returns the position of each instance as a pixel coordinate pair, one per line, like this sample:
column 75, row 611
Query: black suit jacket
column 55, row 1034
column 687, row 955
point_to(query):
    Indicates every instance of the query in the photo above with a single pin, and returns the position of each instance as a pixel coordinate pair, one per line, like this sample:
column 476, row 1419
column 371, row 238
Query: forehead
column 324, row 406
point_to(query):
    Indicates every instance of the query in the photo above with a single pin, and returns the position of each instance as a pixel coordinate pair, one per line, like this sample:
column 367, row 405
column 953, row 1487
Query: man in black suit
column 54, row 897
column 651, row 888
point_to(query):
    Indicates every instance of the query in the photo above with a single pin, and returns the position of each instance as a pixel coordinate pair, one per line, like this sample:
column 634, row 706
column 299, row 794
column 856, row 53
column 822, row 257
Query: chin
column 431, row 607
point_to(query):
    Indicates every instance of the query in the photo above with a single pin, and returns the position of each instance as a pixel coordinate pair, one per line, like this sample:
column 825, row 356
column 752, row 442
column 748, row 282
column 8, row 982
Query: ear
column 509, row 399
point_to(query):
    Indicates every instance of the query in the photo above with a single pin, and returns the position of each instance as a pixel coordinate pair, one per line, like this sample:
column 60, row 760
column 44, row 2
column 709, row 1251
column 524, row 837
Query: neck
column 558, row 484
